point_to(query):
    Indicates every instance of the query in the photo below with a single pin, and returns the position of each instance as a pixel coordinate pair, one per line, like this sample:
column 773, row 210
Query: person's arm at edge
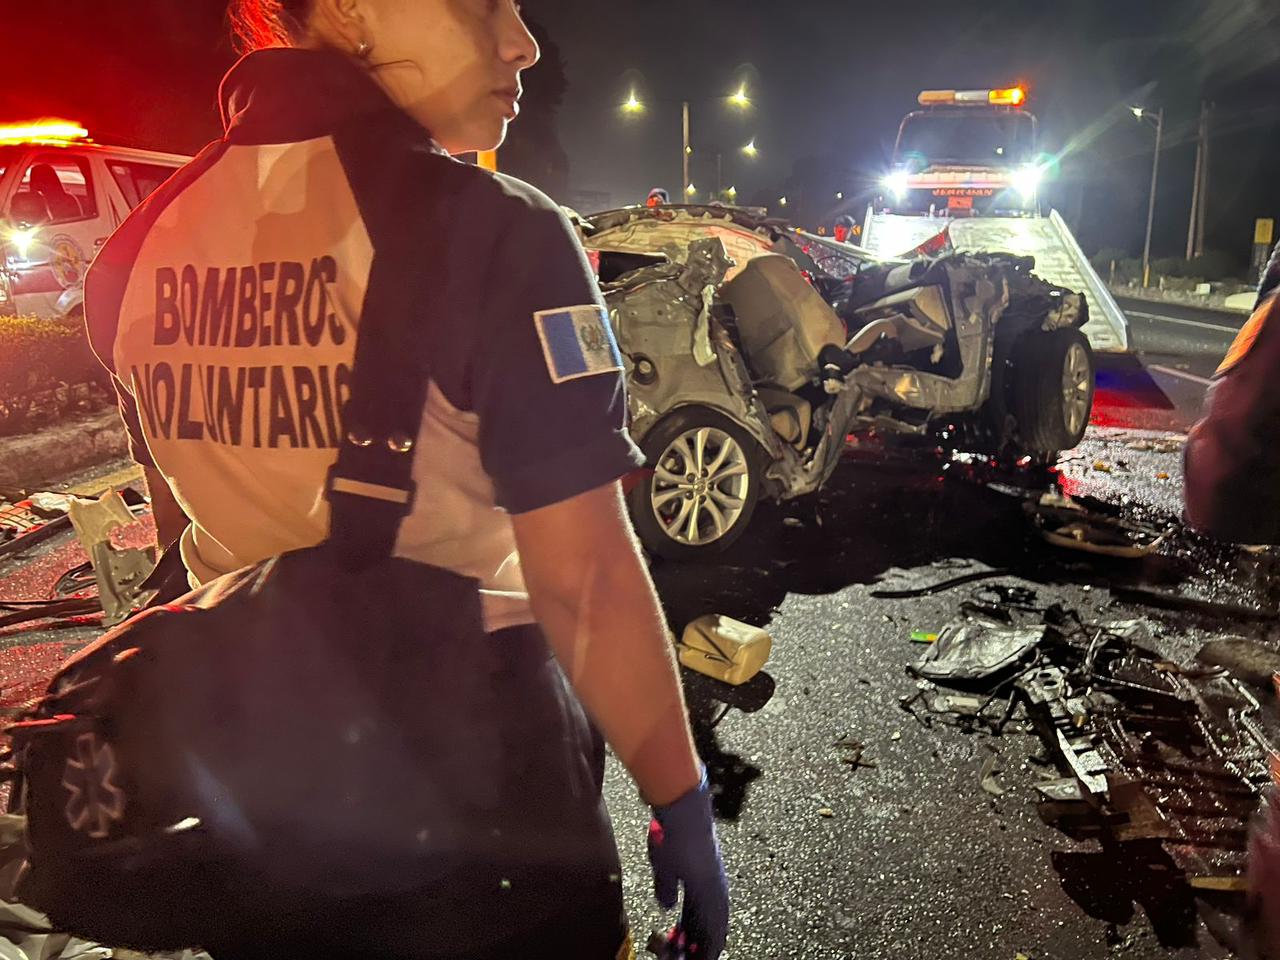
column 592, row 594
column 167, row 513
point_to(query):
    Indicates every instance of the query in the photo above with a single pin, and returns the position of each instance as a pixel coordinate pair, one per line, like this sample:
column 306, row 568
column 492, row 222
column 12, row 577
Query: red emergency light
column 43, row 132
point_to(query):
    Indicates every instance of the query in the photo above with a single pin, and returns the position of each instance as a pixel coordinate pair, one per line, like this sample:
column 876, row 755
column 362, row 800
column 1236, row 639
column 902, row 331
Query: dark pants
column 549, row 883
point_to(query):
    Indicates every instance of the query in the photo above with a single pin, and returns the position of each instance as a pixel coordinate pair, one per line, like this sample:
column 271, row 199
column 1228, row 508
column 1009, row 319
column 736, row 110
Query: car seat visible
column 783, row 322
column 62, row 205
column 28, row 208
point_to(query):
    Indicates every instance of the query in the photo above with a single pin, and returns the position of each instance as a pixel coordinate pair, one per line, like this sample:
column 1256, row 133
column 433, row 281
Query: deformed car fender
column 976, row 316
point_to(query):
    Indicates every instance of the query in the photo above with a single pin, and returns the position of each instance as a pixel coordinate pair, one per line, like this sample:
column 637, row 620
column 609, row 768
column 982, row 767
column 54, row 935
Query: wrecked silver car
column 753, row 350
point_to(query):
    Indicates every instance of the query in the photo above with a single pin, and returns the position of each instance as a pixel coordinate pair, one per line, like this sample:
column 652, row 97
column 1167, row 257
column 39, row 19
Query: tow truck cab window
column 136, row 180
column 967, row 136
column 55, row 188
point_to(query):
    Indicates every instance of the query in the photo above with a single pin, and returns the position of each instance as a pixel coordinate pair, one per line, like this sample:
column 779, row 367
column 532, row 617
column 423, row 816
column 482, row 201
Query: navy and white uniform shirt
column 227, row 309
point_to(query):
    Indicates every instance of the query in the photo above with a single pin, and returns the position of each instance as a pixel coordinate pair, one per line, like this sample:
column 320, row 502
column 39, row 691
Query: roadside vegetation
column 46, row 372
column 1215, row 267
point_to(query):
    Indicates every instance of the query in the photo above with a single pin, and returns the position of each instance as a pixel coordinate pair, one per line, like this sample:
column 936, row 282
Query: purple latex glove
column 684, row 851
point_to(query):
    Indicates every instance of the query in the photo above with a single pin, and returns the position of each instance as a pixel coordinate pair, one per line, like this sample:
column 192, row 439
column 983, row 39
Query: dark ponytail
column 256, row 24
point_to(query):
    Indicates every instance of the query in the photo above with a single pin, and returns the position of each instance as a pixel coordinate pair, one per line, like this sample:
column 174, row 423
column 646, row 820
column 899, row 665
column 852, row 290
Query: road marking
column 1187, row 323
column 1205, row 381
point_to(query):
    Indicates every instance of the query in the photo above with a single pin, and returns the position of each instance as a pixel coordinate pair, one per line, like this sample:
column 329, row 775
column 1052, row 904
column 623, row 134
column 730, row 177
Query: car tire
column 1053, row 389
column 682, row 519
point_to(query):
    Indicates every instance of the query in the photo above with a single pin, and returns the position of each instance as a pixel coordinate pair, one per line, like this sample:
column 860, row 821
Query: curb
column 1218, row 305
column 77, row 442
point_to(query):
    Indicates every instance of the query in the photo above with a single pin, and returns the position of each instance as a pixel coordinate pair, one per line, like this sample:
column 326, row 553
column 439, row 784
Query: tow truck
column 968, row 162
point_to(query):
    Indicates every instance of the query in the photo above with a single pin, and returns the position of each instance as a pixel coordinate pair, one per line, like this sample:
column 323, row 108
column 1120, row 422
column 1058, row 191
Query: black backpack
column 292, row 740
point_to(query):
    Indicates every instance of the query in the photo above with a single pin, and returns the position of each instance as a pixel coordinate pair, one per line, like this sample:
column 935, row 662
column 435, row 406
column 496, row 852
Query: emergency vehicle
column 967, row 168
column 966, row 153
column 61, row 196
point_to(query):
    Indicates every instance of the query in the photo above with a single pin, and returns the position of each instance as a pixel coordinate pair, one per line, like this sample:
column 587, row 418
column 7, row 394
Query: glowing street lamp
column 782, row 202
column 732, row 194
column 740, row 99
column 691, row 190
column 750, row 150
column 633, row 104
column 840, row 196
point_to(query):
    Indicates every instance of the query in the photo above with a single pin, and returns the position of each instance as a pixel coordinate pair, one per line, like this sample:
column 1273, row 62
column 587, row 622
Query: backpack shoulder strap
column 407, row 198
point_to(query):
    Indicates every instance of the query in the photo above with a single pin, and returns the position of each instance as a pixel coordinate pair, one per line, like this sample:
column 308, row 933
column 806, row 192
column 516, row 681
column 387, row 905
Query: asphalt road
column 911, row 856
column 1181, row 348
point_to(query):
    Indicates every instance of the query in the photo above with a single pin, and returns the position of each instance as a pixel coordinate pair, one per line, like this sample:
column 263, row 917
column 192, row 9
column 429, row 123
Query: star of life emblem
column 89, row 776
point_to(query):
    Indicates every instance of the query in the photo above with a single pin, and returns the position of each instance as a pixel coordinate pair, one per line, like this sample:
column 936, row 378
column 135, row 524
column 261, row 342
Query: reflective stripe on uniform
column 1247, row 336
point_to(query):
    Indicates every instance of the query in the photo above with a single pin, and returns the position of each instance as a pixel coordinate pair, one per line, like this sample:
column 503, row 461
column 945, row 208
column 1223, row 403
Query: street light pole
column 686, row 152
column 1151, row 206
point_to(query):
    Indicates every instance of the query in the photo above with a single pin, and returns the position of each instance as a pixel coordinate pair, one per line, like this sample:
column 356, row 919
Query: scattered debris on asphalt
column 854, row 753
column 1191, row 604
column 119, row 573
column 1244, row 659
column 930, row 589
column 1144, row 748
column 972, row 650
column 987, row 776
column 1066, row 522
column 724, row 649
column 1159, row 444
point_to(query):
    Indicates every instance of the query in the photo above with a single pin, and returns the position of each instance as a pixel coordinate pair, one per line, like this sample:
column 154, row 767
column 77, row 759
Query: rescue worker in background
column 1232, row 461
column 1232, row 489
column 844, row 230
column 231, row 380
column 658, row 198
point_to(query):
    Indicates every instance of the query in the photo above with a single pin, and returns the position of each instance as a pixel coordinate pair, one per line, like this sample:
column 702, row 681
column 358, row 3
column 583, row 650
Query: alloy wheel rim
column 700, row 486
column 1077, row 383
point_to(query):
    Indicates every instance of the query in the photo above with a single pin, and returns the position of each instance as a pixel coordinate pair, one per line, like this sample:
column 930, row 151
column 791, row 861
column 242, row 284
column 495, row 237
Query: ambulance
column 61, row 196
column 966, row 153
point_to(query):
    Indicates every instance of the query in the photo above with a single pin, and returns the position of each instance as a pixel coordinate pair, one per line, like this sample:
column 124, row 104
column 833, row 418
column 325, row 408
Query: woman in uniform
column 227, row 309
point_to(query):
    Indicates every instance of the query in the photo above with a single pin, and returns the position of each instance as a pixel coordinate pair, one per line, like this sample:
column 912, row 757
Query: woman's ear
column 342, row 24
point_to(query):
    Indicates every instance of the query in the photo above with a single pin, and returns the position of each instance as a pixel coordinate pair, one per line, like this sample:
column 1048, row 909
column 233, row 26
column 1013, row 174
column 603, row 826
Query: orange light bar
column 43, row 131
column 931, row 98
column 1013, row 97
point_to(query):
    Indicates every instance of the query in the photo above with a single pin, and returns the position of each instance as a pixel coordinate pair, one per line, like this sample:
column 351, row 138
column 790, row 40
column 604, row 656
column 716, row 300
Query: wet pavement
column 917, row 858
column 906, row 854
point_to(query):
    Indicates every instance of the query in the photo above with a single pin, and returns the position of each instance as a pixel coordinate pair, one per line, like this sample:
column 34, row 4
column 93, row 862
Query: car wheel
column 704, row 485
column 1053, row 390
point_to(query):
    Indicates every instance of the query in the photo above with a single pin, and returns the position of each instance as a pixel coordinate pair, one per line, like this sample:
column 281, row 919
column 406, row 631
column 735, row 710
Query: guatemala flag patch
column 577, row 342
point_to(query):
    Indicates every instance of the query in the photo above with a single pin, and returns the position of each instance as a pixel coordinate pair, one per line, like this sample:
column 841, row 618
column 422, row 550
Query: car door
column 59, row 201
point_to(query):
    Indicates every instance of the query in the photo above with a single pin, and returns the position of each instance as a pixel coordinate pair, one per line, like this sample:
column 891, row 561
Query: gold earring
column 364, row 49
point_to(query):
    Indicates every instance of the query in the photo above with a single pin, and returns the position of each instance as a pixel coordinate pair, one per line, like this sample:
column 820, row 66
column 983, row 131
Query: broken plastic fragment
column 975, row 651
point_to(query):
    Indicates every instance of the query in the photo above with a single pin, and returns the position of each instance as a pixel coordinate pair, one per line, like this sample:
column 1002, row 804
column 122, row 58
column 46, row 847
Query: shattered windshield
column 973, row 137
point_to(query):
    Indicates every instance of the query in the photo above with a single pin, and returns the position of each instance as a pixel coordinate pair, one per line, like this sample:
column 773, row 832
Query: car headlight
column 22, row 239
column 1027, row 182
column 895, row 184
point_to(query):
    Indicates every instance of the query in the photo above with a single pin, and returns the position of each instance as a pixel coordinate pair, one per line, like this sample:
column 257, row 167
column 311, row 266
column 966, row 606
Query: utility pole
column 1151, row 204
column 1202, row 208
column 719, row 174
column 1195, row 190
column 1195, row 228
column 687, row 151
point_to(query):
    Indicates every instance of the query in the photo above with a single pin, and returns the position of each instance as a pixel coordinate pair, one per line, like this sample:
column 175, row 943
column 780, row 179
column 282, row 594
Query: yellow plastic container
column 724, row 649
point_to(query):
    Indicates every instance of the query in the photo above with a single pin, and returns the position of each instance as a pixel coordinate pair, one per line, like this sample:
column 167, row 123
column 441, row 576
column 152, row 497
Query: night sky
column 830, row 80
